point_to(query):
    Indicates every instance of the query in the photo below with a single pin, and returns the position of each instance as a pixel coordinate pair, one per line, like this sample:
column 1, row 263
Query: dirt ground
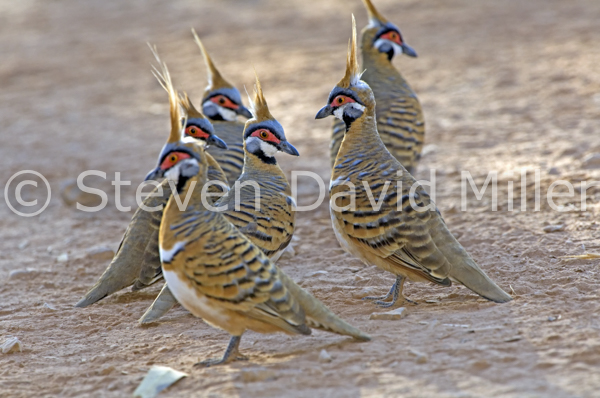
column 505, row 86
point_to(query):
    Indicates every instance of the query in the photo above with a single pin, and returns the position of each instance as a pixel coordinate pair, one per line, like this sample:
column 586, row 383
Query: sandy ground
column 506, row 86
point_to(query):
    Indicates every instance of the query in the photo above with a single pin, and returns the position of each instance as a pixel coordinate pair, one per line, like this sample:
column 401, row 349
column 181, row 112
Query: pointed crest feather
column 352, row 76
column 375, row 17
column 164, row 78
column 215, row 80
column 259, row 106
column 189, row 108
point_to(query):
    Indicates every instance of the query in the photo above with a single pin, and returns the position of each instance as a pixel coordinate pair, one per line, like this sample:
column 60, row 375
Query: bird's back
column 231, row 159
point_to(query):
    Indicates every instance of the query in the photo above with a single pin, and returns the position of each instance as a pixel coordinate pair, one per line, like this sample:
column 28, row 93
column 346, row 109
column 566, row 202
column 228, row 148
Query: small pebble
column 23, row 244
column 50, row 306
column 106, row 371
column 393, row 315
column 63, row 258
column 367, row 291
column 12, row 344
column 554, row 228
column 317, row 273
column 21, row 273
column 512, row 339
column 553, row 171
column 554, row 318
column 421, row 358
column 324, row 356
column 591, row 161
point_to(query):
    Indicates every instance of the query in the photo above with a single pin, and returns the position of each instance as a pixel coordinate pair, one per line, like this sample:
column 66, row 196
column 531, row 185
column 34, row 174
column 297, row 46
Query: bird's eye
column 196, row 132
column 265, row 135
column 392, row 36
column 341, row 100
column 172, row 159
column 222, row 101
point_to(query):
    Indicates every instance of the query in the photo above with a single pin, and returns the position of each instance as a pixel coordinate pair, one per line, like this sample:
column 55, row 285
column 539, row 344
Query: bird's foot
column 207, row 363
column 389, row 304
column 384, row 304
column 376, row 298
column 231, row 354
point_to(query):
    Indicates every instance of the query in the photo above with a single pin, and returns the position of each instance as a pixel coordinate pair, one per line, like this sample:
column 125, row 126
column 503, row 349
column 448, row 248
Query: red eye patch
column 341, row 100
column 392, row 36
column 223, row 101
column 172, row 159
column 265, row 135
column 196, row 132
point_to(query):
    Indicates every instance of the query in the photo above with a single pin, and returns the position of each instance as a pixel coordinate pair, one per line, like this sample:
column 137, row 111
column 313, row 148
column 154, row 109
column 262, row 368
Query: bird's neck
column 260, row 165
column 189, row 197
column 376, row 63
column 361, row 140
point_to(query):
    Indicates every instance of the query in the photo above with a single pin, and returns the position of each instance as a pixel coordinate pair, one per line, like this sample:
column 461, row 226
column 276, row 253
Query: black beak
column 216, row 141
column 408, row 50
column 325, row 111
column 155, row 174
column 288, row 148
column 243, row 111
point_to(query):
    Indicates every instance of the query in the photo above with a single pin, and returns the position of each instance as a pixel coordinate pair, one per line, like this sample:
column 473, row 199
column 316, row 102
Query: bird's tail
column 464, row 269
column 318, row 315
column 132, row 260
column 161, row 305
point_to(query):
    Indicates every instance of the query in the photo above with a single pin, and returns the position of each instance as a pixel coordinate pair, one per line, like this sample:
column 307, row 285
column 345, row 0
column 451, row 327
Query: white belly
column 195, row 303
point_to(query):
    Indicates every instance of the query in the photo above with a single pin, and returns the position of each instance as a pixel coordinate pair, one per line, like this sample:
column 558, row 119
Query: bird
column 400, row 119
column 270, row 225
column 222, row 104
column 218, row 274
column 380, row 213
column 137, row 261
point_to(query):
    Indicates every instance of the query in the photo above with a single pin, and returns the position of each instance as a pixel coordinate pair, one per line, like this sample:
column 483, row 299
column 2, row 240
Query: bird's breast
column 195, row 302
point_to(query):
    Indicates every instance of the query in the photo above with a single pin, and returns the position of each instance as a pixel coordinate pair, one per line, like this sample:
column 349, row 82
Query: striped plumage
column 137, row 261
column 270, row 225
column 400, row 120
column 231, row 159
column 222, row 104
column 216, row 272
column 409, row 240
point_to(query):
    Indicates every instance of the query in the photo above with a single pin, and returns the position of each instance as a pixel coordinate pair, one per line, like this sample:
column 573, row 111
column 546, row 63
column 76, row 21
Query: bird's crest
column 352, row 76
column 164, row 78
column 215, row 80
column 189, row 108
column 375, row 18
column 259, row 106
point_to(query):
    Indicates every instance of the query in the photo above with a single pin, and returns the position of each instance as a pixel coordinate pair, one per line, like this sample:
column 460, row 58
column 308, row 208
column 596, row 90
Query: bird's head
column 197, row 128
column 381, row 37
column 178, row 160
column 221, row 100
column 263, row 134
column 351, row 97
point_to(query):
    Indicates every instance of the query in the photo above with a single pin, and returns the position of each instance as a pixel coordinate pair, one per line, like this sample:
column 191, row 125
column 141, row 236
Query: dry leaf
column 157, row 379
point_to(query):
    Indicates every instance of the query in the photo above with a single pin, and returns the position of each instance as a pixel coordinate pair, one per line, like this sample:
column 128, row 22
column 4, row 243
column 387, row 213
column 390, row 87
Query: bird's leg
column 231, row 354
column 395, row 292
column 383, row 297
